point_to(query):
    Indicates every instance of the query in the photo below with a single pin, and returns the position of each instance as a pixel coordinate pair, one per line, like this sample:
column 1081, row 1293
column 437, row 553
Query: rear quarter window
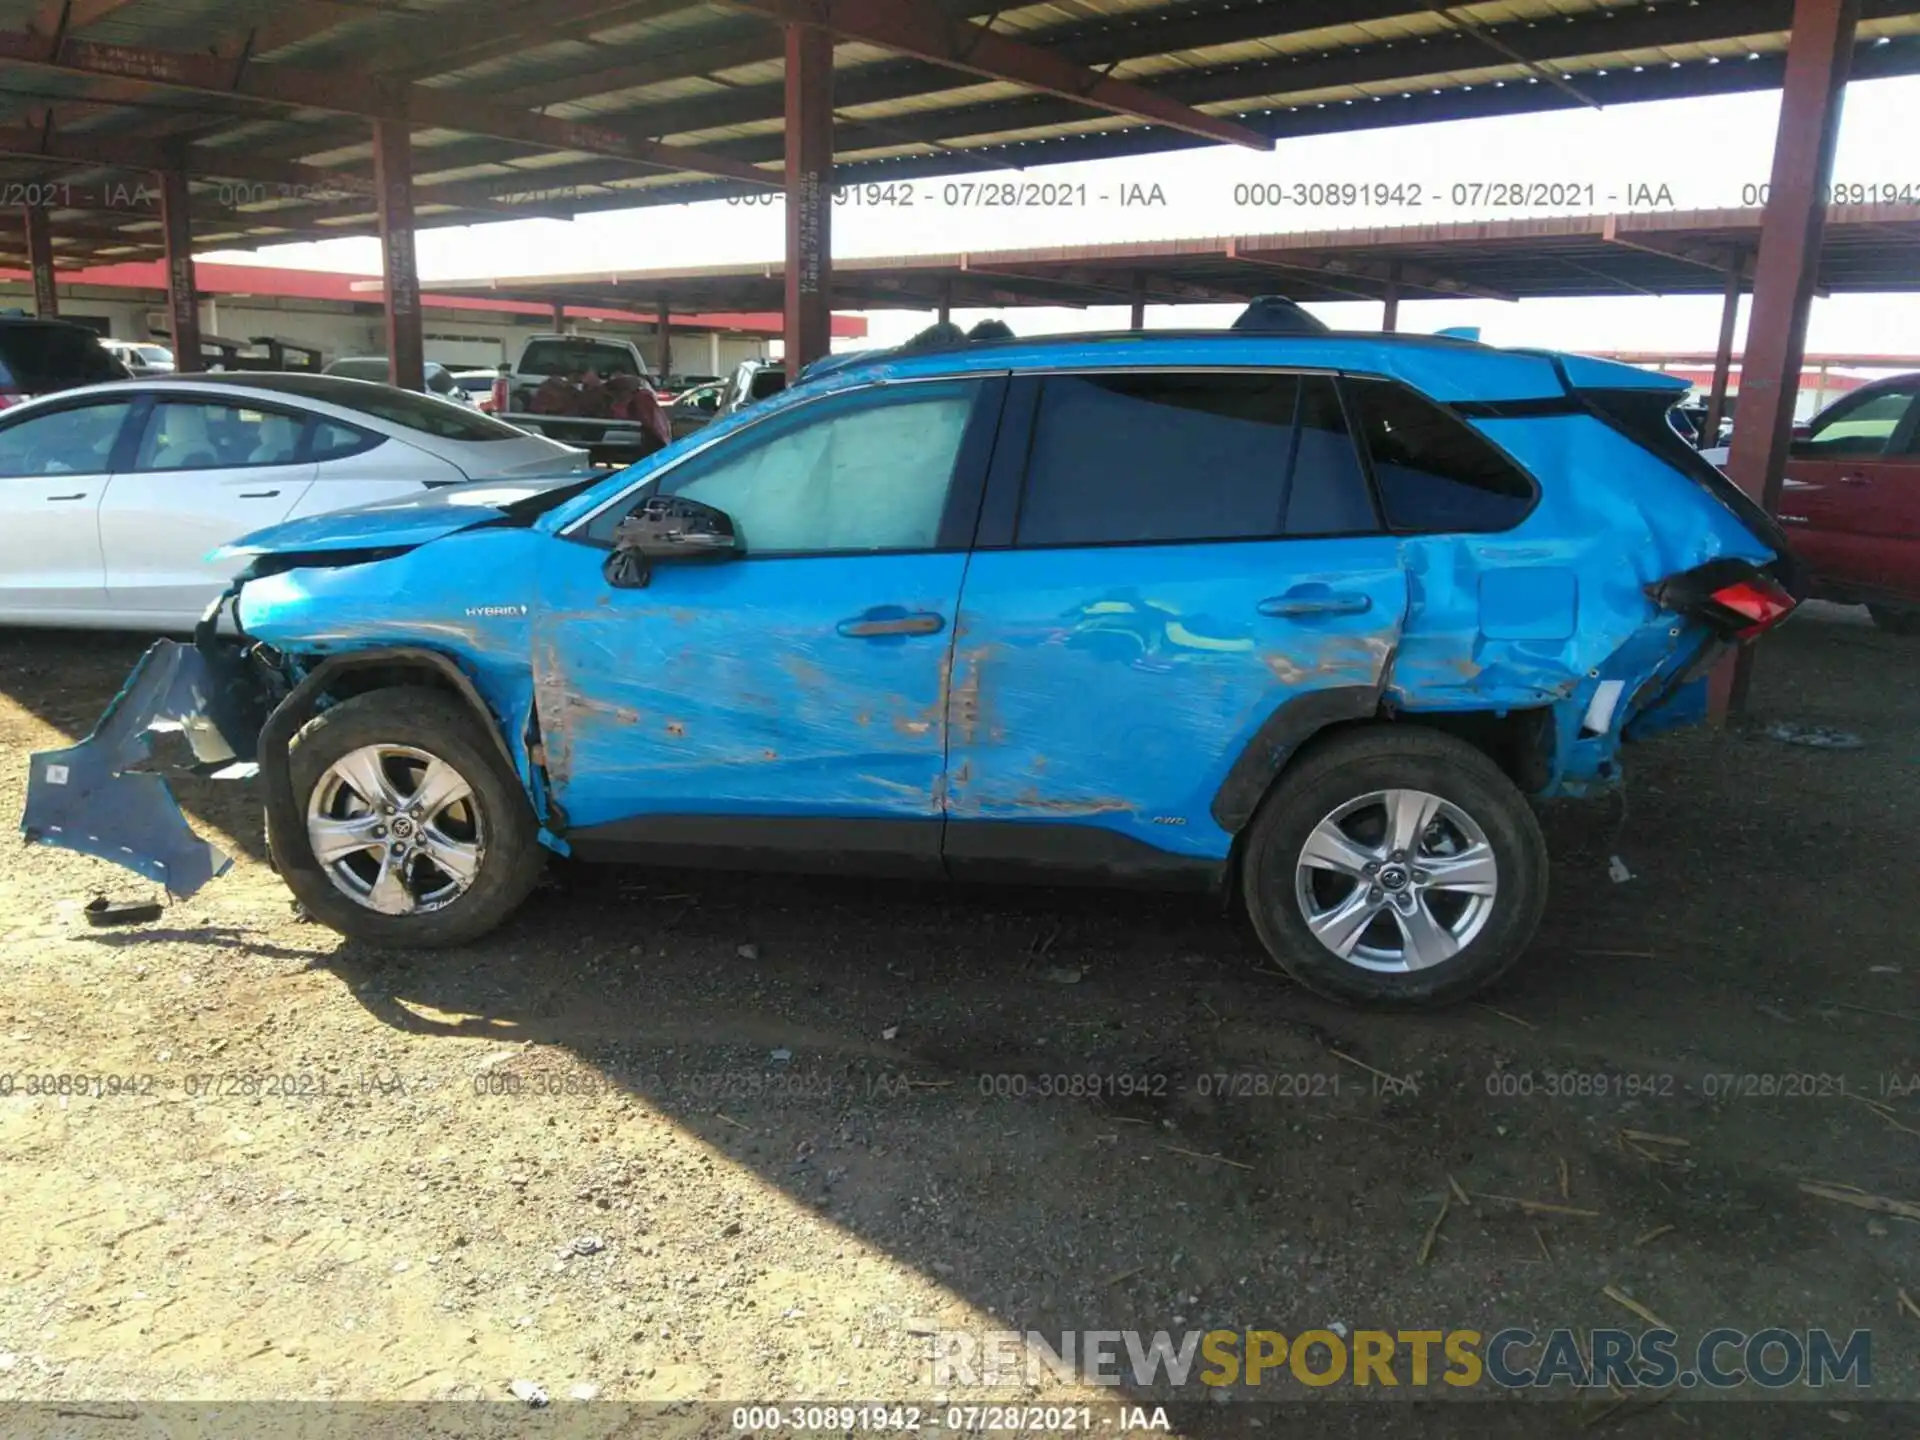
column 1435, row 473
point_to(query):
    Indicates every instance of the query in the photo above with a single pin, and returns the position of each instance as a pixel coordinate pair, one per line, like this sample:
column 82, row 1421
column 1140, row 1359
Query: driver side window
column 866, row 472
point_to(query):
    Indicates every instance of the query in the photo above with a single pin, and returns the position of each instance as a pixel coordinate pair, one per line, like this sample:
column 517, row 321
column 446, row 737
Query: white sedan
column 112, row 496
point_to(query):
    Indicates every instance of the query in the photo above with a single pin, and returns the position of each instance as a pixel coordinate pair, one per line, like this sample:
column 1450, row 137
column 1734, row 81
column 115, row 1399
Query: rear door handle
column 81, row 495
column 874, row 627
column 1289, row 607
column 258, row 494
column 1856, row 479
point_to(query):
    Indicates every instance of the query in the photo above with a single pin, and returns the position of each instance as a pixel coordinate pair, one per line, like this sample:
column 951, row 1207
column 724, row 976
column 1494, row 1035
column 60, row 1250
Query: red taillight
column 9, row 398
column 498, row 399
column 1758, row 601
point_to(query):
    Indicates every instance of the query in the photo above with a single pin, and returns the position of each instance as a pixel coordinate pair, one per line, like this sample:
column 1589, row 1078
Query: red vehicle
column 1852, row 501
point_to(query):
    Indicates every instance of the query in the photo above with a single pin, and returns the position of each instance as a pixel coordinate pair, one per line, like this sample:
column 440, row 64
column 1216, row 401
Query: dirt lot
column 734, row 1138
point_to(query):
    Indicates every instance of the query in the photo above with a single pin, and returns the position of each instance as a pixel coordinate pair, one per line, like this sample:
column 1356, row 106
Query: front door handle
column 1856, row 478
column 258, row 494
column 80, row 495
column 1288, row 607
column 878, row 626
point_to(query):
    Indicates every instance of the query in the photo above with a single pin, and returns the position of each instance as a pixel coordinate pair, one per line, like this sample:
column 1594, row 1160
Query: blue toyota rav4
column 1306, row 620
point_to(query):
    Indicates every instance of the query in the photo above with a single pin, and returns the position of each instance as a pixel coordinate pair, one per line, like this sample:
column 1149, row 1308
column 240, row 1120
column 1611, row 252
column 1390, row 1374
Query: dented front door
column 791, row 699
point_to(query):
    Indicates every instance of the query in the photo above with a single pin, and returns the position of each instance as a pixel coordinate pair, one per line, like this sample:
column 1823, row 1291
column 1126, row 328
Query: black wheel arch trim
column 1290, row 726
column 301, row 705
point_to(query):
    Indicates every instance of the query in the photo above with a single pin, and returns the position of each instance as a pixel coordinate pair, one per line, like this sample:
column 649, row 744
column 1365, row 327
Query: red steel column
column 183, row 304
column 1723, row 357
column 663, row 322
column 1819, row 57
column 1390, row 316
column 809, row 268
column 46, row 296
column 559, row 317
column 393, row 178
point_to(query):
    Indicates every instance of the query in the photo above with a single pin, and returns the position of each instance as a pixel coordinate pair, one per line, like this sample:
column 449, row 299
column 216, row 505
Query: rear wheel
column 1895, row 621
column 413, row 832
column 1395, row 866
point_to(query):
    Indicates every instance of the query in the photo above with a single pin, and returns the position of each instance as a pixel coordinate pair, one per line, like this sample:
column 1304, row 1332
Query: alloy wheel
column 396, row 829
column 1396, row 880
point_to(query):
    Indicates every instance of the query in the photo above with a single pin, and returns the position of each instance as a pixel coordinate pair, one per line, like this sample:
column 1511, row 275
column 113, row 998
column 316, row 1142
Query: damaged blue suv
column 1306, row 620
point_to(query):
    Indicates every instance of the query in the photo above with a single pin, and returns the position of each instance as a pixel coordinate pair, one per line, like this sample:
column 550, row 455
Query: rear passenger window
column 1434, row 472
column 1168, row 458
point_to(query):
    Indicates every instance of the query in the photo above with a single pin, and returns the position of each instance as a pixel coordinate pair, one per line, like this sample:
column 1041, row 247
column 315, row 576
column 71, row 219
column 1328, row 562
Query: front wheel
column 413, row 831
column 1397, row 867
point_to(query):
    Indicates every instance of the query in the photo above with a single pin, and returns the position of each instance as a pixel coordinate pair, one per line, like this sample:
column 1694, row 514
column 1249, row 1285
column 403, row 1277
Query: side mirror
column 707, row 404
column 667, row 527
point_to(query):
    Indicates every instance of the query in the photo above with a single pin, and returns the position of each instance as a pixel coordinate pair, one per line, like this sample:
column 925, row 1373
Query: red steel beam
column 1819, row 58
column 363, row 96
column 809, row 266
column 912, row 28
column 46, row 297
column 183, row 304
column 393, row 166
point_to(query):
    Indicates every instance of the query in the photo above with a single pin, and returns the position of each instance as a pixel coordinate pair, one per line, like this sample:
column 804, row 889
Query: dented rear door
column 1189, row 552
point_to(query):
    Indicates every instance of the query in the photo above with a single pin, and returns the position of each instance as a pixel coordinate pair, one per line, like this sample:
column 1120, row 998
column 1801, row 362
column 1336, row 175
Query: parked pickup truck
column 1850, row 503
column 587, row 391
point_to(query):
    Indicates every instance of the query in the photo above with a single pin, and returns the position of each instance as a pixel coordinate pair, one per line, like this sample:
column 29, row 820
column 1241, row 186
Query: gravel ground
column 678, row 1137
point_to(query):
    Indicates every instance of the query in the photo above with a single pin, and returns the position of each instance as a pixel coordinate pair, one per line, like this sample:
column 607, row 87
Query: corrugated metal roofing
column 708, row 76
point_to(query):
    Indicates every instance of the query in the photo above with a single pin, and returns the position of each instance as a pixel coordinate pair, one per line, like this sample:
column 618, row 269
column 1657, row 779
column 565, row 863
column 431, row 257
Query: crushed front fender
column 106, row 797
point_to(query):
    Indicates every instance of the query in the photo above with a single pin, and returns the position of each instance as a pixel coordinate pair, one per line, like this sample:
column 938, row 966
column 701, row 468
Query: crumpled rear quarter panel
column 1543, row 614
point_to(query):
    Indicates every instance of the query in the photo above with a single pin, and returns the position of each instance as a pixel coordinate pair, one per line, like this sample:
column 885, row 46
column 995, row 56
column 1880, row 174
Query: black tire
column 510, row 858
column 1895, row 622
column 1359, row 763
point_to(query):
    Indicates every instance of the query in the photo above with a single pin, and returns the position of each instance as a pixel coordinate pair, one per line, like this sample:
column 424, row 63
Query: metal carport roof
column 558, row 107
